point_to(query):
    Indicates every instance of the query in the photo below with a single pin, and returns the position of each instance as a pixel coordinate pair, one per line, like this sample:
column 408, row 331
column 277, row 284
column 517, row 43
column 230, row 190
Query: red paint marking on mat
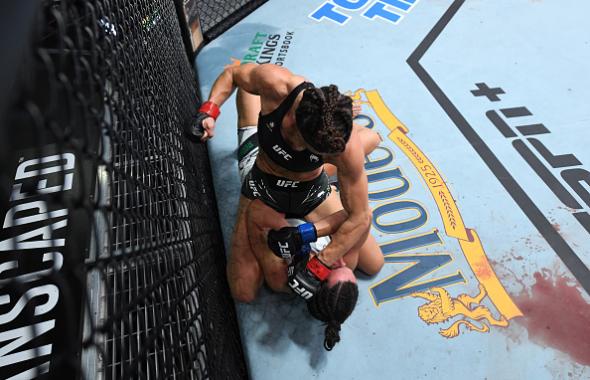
column 556, row 315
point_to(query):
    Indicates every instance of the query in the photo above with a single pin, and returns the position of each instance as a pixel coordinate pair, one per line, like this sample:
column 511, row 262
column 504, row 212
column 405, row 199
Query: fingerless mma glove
column 208, row 109
column 307, row 277
column 290, row 241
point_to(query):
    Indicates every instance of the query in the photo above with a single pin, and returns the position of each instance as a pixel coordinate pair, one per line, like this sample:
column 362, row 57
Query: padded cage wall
column 112, row 262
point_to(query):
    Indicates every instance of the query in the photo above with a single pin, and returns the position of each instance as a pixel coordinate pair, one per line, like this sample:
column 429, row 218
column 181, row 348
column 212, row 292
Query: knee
column 371, row 140
column 372, row 259
column 244, row 285
column 351, row 259
column 368, row 219
column 374, row 265
column 242, row 294
column 277, row 280
column 376, row 139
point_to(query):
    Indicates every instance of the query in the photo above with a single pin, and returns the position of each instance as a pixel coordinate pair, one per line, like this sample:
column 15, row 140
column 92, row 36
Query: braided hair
column 324, row 119
column 332, row 306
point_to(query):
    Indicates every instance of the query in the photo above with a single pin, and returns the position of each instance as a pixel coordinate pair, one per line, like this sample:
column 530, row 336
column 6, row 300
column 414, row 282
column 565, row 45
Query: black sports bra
column 274, row 146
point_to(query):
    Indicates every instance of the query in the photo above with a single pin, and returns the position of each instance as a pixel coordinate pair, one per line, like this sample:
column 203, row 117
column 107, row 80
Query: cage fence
column 218, row 16
column 113, row 264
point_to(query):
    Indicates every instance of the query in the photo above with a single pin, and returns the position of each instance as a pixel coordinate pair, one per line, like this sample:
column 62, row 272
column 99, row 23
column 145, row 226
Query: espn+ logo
column 337, row 11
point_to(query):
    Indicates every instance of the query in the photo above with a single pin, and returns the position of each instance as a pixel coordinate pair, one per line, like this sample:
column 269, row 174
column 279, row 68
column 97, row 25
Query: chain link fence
column 218, row 16
column 112, row 261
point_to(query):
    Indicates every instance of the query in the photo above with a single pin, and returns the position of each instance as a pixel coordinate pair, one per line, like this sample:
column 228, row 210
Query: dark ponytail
column 332, row 335
column 332, row 306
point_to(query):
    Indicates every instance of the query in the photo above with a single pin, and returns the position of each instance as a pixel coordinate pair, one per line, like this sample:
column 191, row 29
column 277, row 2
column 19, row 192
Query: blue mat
column 480, row 191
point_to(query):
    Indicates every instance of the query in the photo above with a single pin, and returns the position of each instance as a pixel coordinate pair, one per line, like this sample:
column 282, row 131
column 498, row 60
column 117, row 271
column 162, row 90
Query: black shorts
column 294, row 198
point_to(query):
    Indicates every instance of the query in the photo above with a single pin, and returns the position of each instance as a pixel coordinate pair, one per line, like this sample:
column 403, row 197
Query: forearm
column 351, row 235
column 223, row 87
column 330, row 224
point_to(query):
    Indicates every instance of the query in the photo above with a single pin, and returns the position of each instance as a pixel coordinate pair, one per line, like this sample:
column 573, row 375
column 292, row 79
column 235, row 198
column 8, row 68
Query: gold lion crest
column 441, row 307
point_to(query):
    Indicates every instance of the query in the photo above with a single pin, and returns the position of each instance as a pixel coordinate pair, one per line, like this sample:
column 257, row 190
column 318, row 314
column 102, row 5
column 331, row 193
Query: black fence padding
column 111, row 257
column 218, row 16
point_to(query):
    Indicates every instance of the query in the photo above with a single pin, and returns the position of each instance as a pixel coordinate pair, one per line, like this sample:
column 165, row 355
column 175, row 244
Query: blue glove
column 290, row 241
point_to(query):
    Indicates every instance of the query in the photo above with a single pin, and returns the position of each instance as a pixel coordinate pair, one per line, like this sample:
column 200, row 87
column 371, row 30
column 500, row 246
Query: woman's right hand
column 208, row 129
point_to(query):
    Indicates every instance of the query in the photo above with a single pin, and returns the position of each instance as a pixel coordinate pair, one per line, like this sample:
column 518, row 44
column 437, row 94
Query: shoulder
column 275, row 83
column 270, row 74
column 266, row 80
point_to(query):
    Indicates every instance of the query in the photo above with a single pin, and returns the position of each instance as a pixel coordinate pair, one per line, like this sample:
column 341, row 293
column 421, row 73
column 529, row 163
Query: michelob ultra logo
column 432, row 248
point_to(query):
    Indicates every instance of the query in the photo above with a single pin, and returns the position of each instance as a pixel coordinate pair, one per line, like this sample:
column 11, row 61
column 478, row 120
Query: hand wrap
column 211, row 109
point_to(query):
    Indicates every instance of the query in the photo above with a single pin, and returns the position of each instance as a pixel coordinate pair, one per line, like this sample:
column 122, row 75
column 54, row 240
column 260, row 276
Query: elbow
column 369, row 218
column 366, row 219
column 228, row 74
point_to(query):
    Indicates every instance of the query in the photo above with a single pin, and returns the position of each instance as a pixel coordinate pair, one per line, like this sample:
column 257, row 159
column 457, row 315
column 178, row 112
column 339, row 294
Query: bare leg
column 261, row 219
column 369, row 138
column 243, row 271
column 371, row 258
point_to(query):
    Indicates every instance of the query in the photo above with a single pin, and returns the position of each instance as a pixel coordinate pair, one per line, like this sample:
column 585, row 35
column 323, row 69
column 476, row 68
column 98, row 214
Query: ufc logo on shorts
column 284, row 183
column 253, row 187
column 282, row 152
column 304, row 293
